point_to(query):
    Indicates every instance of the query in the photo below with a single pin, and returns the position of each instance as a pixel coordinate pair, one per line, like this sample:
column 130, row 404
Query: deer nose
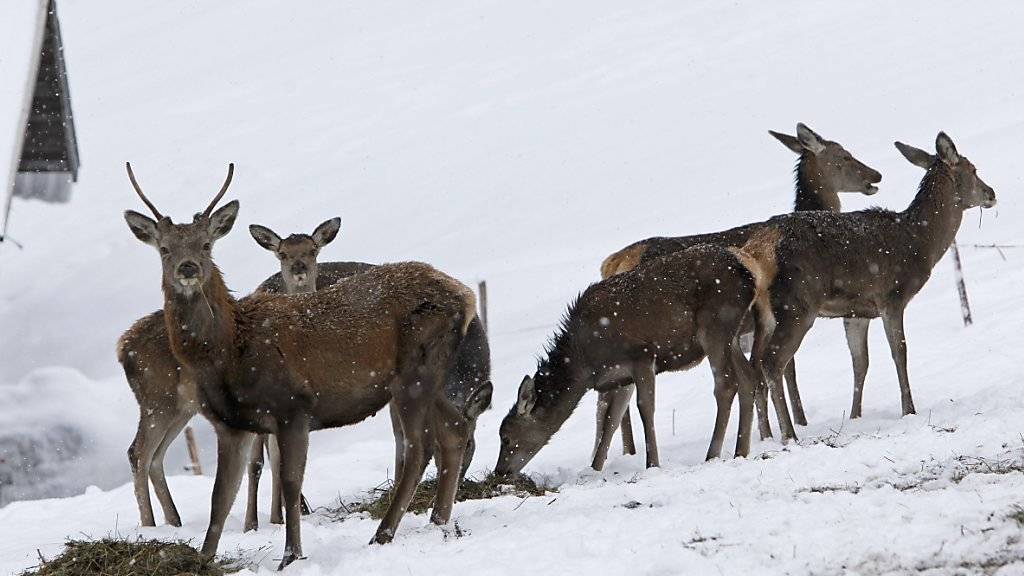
column 299, row 267
column 188, row 270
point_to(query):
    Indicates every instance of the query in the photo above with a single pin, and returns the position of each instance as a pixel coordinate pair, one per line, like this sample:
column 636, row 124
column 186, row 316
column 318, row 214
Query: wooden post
column 193, row 452
column 961, row 286
column 482, row 289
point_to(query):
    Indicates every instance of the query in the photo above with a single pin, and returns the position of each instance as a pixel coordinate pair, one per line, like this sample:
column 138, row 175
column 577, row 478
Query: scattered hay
column 379, row 498
column 123, row 557
column 1017, row 515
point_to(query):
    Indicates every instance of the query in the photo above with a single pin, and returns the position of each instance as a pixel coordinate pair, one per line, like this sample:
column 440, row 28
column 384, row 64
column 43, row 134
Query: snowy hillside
column 521, row 143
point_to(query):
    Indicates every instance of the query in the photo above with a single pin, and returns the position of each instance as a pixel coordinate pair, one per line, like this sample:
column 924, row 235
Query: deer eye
column 164, row 251
column 206, row 247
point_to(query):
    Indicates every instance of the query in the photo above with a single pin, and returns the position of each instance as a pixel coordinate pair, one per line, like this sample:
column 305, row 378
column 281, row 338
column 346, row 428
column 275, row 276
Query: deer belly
column 848, row 308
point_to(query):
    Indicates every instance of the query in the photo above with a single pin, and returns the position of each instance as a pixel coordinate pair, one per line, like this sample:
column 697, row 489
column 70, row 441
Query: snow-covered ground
column 521, row 143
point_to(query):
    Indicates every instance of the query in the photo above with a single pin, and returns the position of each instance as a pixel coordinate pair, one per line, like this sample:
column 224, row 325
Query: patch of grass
column 1017, row 515
column 123, row 557
column 491, row 486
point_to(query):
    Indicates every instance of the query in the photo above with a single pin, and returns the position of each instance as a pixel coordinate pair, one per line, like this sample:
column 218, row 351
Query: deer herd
column 329, row 344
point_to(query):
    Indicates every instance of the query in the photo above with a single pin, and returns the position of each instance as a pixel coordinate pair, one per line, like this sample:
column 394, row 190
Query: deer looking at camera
column 862, row 264
column 665, row 316
column 824, row 170
column 167, row 401
column 467, row 384
column 285, row 365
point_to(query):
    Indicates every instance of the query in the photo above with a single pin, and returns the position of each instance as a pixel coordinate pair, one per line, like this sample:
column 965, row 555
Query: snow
column 521, row 143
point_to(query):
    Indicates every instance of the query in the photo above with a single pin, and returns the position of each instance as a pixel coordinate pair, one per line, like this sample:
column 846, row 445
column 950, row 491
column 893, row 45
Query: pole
column 482, row 289
column 961, row 286
column 193, row 452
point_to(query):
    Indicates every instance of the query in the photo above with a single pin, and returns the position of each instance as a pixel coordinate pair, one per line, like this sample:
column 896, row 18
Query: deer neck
column 813, row 189
column 201, row 326
column 559, row 387
column 935, row 214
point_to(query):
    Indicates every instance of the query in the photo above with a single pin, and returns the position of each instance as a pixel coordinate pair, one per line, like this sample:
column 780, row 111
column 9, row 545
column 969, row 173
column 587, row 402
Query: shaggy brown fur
column 664, row 316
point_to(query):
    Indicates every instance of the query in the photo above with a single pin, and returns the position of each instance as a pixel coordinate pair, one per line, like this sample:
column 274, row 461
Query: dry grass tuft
column 492, row 486
column 123, row 557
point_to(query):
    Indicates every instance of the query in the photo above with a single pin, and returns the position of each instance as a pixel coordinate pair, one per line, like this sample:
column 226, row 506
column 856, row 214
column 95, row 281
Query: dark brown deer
column 167, row 401
column 467, row 385
column 824, row 170
column 664, row 316
column 285, row 365
column 862, row 265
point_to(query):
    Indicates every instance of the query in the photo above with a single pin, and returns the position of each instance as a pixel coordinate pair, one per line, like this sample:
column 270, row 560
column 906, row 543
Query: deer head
column 837, row 166
column 184, row 248
column 297, row 253
column 971, row 190
column 525, row 430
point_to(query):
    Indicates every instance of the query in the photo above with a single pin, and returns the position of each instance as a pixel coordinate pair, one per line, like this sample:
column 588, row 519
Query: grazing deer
column 286, row 365
column 862, row 264
column 824, row 170
column 665, row 316
column 167, row 401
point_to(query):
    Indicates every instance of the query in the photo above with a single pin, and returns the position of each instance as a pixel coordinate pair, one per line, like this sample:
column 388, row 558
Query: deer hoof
column 288, row 558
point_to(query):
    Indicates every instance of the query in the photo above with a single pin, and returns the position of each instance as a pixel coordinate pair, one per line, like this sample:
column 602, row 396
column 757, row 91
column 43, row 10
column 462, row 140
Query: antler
column 138, row 190
column 223, row 189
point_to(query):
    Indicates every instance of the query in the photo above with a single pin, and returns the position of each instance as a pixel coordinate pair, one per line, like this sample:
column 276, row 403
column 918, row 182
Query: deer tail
column 758, row 257
column 623, row 261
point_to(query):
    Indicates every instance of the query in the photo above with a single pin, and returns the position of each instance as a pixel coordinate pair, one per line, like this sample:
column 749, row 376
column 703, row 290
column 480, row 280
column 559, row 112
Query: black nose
column 188, row 269
column 299, row 268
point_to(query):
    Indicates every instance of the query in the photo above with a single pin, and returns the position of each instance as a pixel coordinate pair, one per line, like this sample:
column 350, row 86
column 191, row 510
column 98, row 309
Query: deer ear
column 223, row 219
column 326, row 232
column 788, row 141
column 479, row 401
column 947, row 151
column 527, row 397
column 916, row 156
column 142, row 226
column 265, row 237
column 809, row 139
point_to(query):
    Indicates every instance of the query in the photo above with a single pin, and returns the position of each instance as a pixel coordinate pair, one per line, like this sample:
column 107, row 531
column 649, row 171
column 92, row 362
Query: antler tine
column 138, row 190
column 223, row 189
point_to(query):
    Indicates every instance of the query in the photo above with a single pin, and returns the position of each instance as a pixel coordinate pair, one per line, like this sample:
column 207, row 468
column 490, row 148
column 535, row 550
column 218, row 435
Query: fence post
column 193, row 452
column 482, row 289
column 961, row 286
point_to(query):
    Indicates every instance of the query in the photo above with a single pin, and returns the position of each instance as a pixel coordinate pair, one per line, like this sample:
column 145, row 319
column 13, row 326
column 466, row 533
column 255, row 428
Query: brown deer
column 467, row 385
column 167, row 401
column 288, row 364
column 824, row 170
column 664, row 316
column 862, row 265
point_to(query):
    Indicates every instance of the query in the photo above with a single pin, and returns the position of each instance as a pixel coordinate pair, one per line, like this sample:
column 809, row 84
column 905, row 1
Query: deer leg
column 293, row 444
column 255, row 470
column 412, row 414
column 794, row 394
column 276, row 489
column 893, row 322
column 140, row 456
column 748, row 380
column 726, row 387
column 763, row 330
column 396, row 427
column 791, row 327
column 156, row 469
column 628, row 443
column 451, row 434
column 857, row 341
column 616, row 404
column 644, row 380
column 232, row 450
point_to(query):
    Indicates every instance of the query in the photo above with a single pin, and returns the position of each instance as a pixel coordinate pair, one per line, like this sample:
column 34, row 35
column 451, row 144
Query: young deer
column 467, row 384
column 862, row 264
column 167, row 401
column 285, row 365
column 665, row 316
column 824, row 170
